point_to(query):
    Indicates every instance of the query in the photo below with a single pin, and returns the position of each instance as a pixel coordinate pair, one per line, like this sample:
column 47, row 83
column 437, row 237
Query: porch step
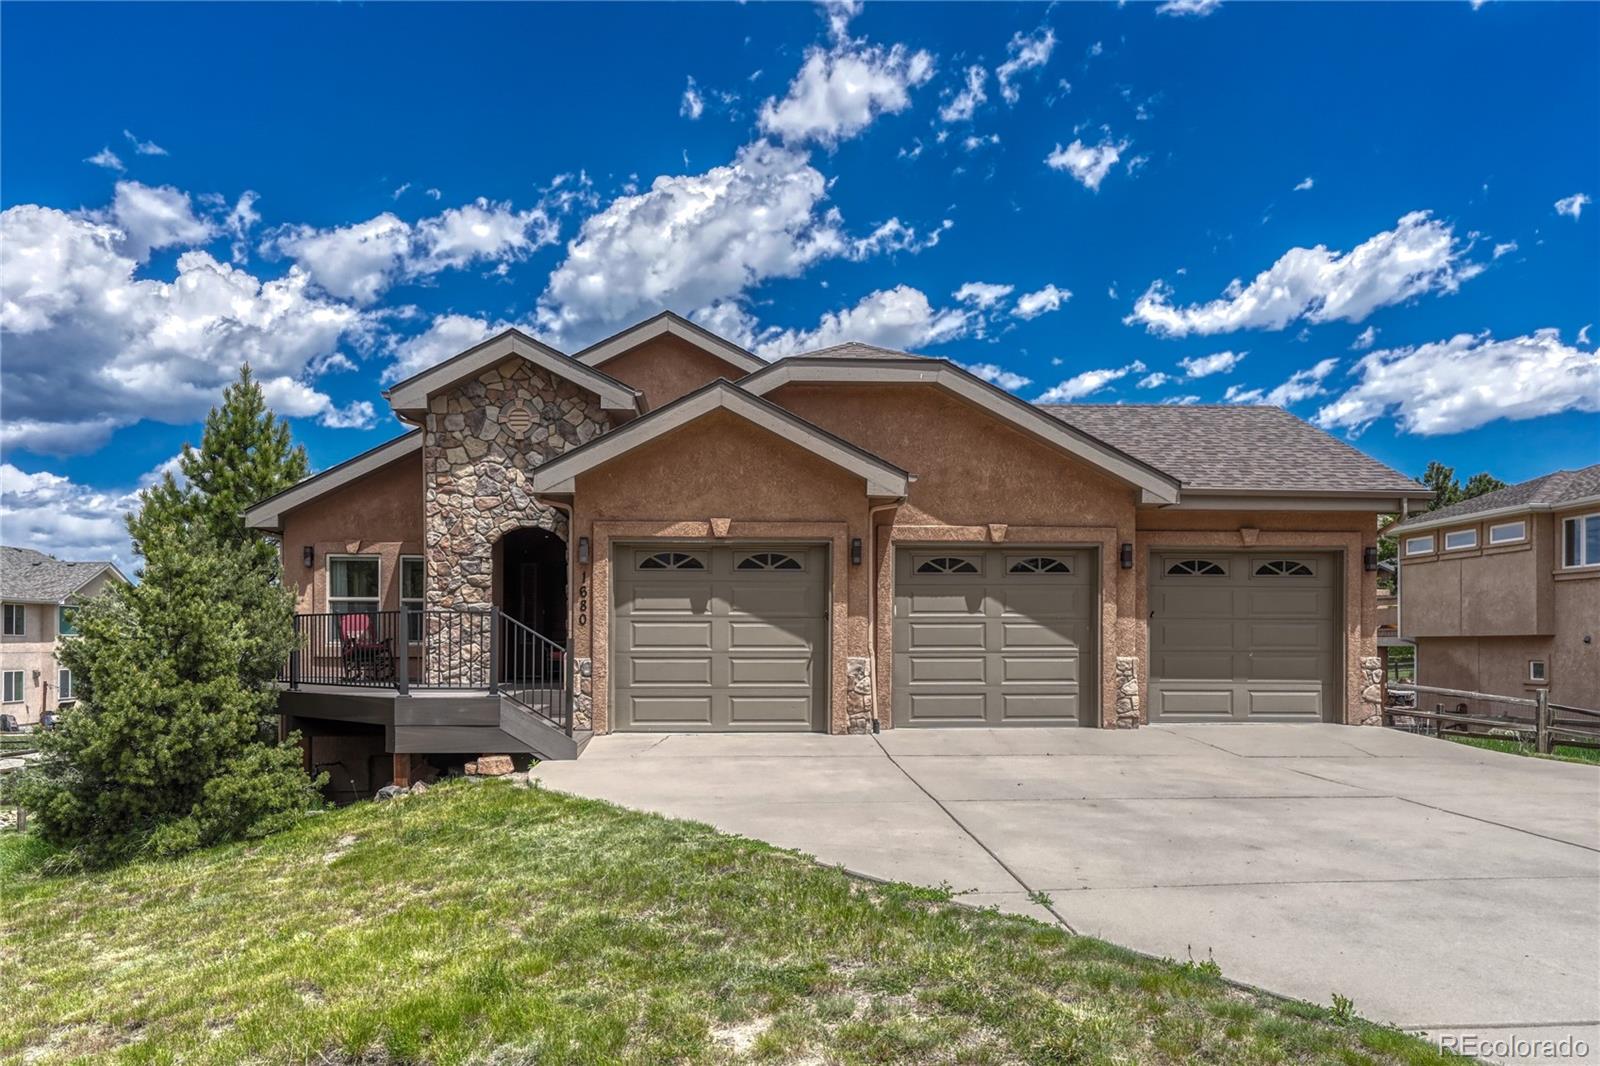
column 541, row 737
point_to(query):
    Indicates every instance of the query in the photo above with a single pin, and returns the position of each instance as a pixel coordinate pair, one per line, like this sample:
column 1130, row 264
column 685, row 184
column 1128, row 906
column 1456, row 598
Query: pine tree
column 245, row 455
column 170, row 745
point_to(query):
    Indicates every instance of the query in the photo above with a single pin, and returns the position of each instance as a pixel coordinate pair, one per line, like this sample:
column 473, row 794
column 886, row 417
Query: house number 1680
column 583, row 602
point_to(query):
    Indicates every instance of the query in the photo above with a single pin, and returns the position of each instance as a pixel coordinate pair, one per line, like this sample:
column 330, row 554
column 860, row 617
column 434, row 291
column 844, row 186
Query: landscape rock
column 494, row 765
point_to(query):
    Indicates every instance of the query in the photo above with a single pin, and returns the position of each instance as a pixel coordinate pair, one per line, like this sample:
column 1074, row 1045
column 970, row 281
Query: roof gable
column 558, row 476
column 411, row 395
column 1154, row 485
column 669, row 323
column 268, row 513
column 28, row 576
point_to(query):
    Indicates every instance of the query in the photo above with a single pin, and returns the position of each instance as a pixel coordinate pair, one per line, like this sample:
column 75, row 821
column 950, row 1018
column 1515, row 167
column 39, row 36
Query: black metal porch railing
column 483, row 651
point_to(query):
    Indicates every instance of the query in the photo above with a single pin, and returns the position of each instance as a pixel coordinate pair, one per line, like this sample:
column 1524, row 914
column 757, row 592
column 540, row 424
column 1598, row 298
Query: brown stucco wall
column 666, row 368
column 720, row 474
column 380, row 514
column 1346, row 534
column 1575, row 653
column 1501, row 590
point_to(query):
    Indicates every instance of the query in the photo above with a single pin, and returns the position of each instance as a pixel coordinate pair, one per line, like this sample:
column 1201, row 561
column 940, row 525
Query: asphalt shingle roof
column 1233, row 447
column 857, row 350
column 1549, row 491
column 36, row 577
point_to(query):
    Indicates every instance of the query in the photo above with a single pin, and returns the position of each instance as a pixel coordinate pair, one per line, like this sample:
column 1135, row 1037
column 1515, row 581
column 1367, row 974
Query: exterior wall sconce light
column 855, row 551
column 1127, row 556
column 1369, row 559
column 308, row 555
column 583, row 550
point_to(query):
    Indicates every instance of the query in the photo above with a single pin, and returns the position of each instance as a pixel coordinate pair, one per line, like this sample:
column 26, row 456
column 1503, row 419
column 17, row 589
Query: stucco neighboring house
column 39, row 592
column 846, row 540
column 1501, row 593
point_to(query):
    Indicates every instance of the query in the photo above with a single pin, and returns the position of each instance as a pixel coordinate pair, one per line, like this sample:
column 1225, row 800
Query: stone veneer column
column 480, row 441
column 1126, row 675
column 1372, row 685
column 858, row 695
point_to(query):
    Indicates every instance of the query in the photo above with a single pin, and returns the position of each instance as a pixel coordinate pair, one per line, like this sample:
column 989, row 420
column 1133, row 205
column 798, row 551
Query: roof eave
column 410, row 397
column 1425, row 521
column 668, row 322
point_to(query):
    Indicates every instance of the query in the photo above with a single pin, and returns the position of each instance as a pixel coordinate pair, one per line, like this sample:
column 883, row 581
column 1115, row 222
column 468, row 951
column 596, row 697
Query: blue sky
column 345, row 194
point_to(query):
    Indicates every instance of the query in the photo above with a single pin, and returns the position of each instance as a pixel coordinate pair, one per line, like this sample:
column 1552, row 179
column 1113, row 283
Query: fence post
column 494, row 649
column 1541, row 722
column 294, row 656
column 402, row 665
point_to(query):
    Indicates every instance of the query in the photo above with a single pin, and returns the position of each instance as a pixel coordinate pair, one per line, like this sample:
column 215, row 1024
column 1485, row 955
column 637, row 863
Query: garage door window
column 1197, row 568
column 769, row 561
column 1284, row 568
column 1040, row 564
column 671, row 561
column 947, row 564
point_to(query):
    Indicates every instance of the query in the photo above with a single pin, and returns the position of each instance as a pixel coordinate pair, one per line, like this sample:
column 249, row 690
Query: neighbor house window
column 1419, row 545
column 352, row 584
column 13, row 686
column 14, row 619
column 1580, row 541
column 1536, row 671
column 65, row 619
column 64, row 686
column 1458, row 539
column 1508, row 532
column 411, row 574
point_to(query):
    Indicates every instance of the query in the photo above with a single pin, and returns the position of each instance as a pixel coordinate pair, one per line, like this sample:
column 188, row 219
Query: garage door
column 720, row 638
column 1236, row 637
column 994, row 637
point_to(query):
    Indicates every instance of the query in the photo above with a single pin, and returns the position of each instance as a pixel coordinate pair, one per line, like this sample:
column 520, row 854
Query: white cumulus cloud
column 1365, row 339
column 1206, row 365
column 901, row 318
column 143, row 147
column 1572, row 206
column 693, row 105
column 1088, row 383
column 1420, row 255
column 982, row 294
column 1088, row 163
column 1025, row 52
column 1033, row 304
column 996, row 375
column 446, row 337
column 841, row 89
column 54, row 514
column 1188, row 8
column 1304, row 185
column 105, row 157
column 964, row 103
column 1468, row 381
column 1302, row 385
column 1155, row 381
column 153, row 217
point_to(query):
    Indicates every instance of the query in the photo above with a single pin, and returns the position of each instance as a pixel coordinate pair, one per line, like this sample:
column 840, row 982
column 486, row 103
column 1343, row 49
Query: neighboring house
column 39, row 593
column 840, row 541
column 1501, row 593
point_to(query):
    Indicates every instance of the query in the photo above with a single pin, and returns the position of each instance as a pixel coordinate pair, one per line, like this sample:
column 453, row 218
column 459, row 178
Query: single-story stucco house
column 664, row 532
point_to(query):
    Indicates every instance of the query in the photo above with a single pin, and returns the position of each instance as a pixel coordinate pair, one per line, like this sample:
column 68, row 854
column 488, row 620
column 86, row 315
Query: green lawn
column 1561, row 753
column 486, row 923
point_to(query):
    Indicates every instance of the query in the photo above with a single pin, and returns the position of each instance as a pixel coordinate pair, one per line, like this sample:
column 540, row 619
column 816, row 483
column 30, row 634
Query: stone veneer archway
column 481, row 439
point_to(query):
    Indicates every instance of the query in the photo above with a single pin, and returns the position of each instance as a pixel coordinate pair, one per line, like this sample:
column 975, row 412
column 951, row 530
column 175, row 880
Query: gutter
column 1426, row 522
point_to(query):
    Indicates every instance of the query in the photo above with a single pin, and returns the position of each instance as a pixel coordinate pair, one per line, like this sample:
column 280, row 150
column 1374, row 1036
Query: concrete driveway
column 1440, row 887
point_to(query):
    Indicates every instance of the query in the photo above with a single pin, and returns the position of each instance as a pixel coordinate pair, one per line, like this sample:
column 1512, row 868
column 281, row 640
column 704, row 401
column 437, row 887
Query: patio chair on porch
column 366, row 655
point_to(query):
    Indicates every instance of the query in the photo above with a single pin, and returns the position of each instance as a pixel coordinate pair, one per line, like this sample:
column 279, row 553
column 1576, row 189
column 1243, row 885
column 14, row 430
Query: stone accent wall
column 1126, row 676
column 480, row 441
column 1371, row 690
column 582, row 695
column 858, row 692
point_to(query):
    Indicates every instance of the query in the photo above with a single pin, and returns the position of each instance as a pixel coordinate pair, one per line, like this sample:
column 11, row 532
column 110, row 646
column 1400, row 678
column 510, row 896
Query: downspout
column 872, row 600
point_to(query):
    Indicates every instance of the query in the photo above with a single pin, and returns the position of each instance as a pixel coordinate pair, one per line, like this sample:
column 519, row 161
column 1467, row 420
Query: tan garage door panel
column 1242, row 636
column 994, row 637
column 720, row 638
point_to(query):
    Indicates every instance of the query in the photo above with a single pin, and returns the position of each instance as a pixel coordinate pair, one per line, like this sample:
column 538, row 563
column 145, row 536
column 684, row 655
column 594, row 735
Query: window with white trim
column 1508, row 532
column 1419, row 545
column 412, row 573
column 1537, row 672
column 13, row 687
column 15, row 620
column 353, row 584
column 1580, row 541
column 1460, row 539
column 1197, row 568
column 64, row 693
column 947, row 564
